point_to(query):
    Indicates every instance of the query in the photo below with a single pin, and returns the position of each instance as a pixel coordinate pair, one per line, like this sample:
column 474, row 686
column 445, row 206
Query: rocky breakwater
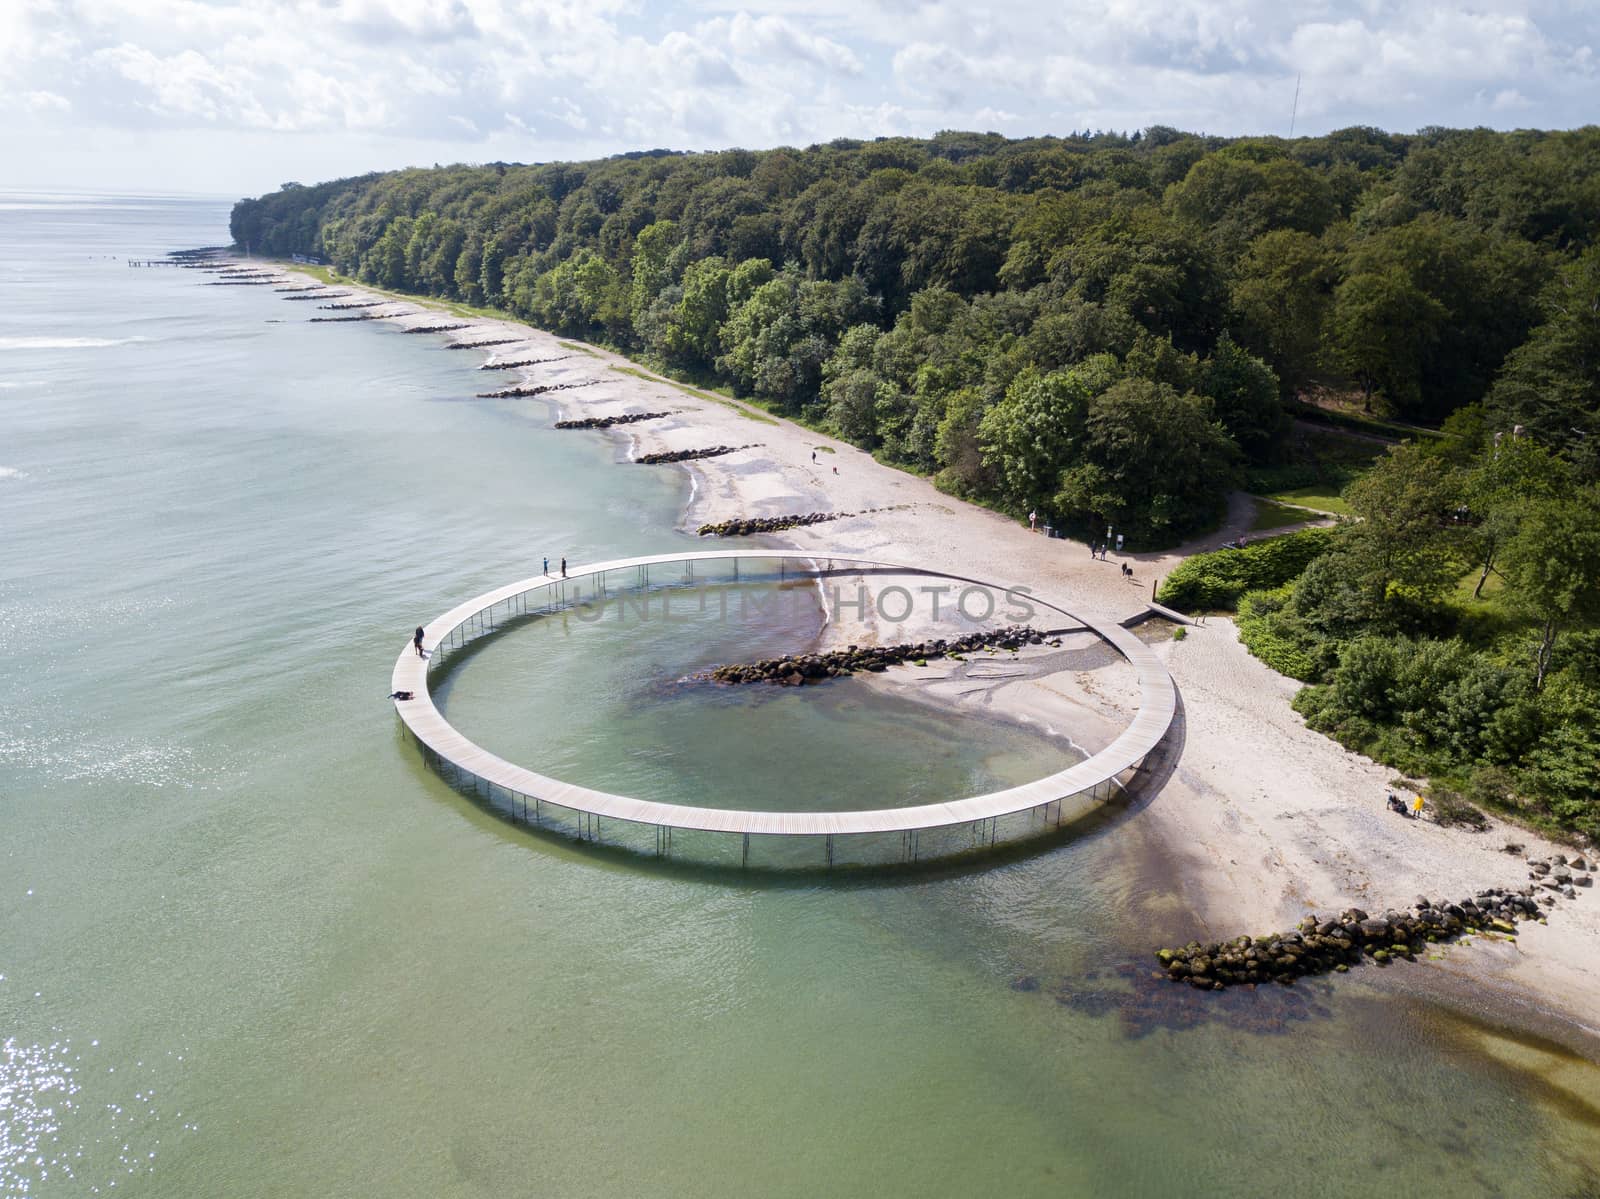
column 334, row 320
column 748, row 525
column 355, row 304
column 712, row 451
column 436, row 328
column 320, row 294
column 606, row 422
column 1333, row 945
column 515, row 363
column 796, row 669
column 483, row 345
column 534, row 389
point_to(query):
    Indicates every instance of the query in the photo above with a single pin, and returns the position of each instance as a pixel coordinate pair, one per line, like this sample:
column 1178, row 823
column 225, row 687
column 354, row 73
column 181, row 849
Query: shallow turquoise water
column 250, row 945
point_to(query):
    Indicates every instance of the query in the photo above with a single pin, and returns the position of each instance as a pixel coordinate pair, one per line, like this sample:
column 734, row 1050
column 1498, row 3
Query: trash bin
column 1049, row 532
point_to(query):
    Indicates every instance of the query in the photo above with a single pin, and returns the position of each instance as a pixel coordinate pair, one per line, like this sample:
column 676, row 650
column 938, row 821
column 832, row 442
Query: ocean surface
column 251, row 945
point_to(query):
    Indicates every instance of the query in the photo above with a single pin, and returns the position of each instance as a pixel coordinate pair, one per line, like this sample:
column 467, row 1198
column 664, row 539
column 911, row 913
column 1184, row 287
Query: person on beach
column 417, row 641
column 563, row 568
column 1033, row 521
column 836, row 470
column 813, row 455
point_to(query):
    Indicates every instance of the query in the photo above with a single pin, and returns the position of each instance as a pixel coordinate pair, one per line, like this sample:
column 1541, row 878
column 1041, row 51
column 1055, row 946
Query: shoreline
column 1259, row 819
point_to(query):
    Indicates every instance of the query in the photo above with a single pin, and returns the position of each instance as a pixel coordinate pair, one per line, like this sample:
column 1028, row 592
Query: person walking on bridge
column 417, row 642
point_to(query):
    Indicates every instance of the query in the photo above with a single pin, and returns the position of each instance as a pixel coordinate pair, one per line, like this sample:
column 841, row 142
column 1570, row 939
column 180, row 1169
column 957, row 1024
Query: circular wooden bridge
column 527, row 794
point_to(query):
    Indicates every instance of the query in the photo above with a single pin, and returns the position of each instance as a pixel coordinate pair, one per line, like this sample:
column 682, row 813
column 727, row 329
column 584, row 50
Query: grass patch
column 824, row 449
column 581, row 348
column 1272, row 515
column 1320, row 464
column 1318, row 496
column 1370, row 425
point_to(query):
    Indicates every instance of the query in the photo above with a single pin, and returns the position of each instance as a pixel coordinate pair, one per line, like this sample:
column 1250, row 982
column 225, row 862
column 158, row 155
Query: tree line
column 1101, row 327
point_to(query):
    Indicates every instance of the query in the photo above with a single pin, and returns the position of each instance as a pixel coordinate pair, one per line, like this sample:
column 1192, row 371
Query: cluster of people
column 1396, row 804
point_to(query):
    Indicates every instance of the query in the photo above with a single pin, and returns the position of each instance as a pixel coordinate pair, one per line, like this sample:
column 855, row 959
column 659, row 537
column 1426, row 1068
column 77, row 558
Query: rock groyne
column 506, row 366
column 534, row 389
column 746, row 526
column 666, row 456
column 796, row 669
column 1323, row 945
column 606, row 422
column 436, row 328
column 483, row 345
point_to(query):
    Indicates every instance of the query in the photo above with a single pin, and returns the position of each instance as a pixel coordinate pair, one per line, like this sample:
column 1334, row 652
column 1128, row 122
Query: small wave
column 12, row 472
column 64, row 343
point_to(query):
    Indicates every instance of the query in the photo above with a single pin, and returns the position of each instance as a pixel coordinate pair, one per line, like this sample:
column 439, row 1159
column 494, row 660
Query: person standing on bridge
column 563, row 568
column 417, row 642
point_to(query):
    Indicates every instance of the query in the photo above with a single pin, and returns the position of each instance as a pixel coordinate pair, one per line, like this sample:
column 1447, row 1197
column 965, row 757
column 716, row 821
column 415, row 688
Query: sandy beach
column 1260, row 819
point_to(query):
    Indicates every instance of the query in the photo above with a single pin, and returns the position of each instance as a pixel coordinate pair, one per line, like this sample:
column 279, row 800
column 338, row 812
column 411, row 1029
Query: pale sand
column 1261, row 819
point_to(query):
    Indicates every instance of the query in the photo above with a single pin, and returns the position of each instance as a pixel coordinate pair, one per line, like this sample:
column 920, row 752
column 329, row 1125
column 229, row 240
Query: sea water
column 251, row 944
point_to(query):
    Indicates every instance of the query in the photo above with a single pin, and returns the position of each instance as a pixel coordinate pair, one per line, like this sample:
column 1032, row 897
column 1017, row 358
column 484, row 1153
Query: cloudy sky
column 235, row 98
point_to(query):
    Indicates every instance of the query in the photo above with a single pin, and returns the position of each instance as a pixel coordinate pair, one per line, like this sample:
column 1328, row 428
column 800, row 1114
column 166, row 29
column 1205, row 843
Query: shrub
column 1451, row 808
column 1263, row 637
column 1219, row 578
column 1492, row 787
column 1179, row 633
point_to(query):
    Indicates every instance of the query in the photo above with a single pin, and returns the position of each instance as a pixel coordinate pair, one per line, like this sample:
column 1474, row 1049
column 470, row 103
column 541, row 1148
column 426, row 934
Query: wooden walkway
column 1099, row 775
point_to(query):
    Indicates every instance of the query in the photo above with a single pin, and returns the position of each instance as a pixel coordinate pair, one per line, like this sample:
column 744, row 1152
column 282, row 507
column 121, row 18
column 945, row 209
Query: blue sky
column 234, row 98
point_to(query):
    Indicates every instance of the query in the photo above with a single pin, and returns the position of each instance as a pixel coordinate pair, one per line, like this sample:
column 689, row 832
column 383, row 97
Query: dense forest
column 1100, row 327
column 1119, row 330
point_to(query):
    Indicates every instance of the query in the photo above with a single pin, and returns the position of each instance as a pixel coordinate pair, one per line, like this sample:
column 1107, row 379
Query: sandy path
column 1262, row 818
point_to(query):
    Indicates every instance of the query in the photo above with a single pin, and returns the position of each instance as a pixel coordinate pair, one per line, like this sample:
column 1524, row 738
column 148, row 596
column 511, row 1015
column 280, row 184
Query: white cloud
column 46, row 102
column 538, row 79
